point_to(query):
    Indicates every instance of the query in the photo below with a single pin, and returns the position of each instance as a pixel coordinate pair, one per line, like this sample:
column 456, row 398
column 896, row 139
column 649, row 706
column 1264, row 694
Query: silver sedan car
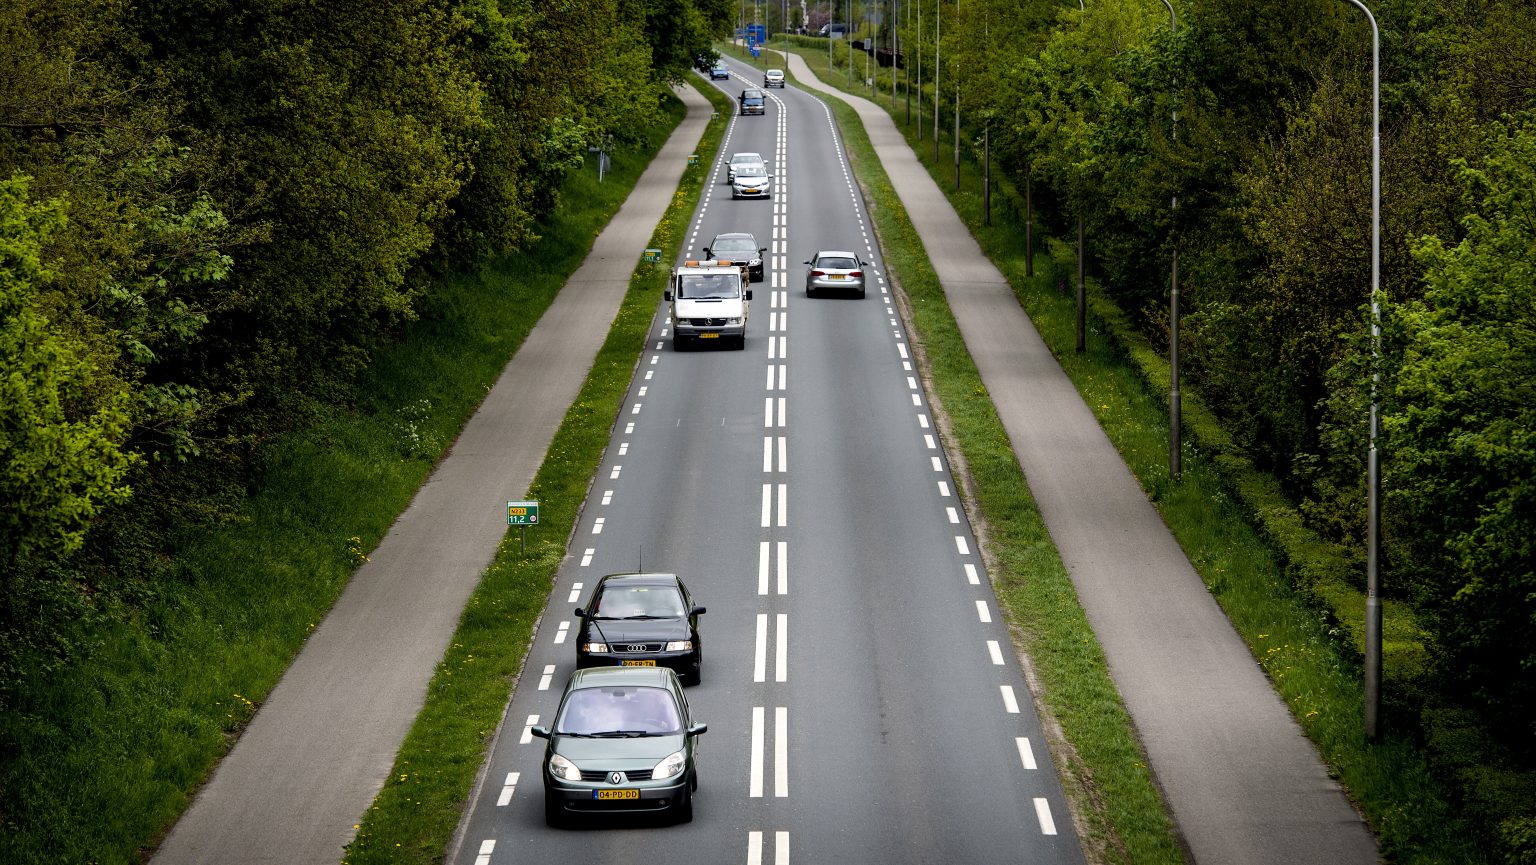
column 834, row 270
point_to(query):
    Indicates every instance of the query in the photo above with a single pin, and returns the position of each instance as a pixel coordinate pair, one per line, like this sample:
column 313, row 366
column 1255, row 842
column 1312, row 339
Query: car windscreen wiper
column 622, row 734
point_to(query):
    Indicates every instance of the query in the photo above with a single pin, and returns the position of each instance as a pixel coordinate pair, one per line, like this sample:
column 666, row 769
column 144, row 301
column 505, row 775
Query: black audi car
column 641, row 620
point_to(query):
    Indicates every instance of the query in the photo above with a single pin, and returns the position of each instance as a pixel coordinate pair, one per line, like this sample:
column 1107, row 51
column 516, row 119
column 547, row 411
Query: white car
column 773, row 78
column 751, row 181
column 739, row 159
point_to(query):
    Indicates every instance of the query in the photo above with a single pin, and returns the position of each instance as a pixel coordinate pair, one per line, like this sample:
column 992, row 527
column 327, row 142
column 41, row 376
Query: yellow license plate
column 637, row 663
column 837, row 276
column 709, row 336
column 615, row 794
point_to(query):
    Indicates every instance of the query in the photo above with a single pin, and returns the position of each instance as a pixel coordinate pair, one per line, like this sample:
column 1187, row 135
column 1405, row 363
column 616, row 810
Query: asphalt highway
column 863, row 699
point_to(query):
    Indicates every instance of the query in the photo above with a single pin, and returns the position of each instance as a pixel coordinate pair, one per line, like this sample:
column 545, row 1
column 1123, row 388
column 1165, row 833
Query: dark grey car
column 738, row 246
column 623, row 742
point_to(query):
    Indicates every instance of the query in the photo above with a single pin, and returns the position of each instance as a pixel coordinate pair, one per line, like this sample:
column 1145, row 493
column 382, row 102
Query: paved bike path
column 1244, row 784
column 323, row 743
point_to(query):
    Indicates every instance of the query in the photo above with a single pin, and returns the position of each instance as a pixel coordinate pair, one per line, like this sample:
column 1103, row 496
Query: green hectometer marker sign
column 522, row 513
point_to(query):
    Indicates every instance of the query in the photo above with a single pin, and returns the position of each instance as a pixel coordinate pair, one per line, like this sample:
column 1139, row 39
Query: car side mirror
column 805, row 262
column 748, row 295
column 695, row 730
column 696, row 611
column 541, row 732
column 763, row 250
column 705, row 250
column 581, row 613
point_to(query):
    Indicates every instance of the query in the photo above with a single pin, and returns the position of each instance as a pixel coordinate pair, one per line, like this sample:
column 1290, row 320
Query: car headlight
column 680, row 646
column 670, row 766
column 595, row 648
column 566, row 770
column 735, row 322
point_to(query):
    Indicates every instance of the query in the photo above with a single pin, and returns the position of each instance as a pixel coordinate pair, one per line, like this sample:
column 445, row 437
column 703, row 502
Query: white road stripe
column 575, row 593
column 970, row 574
column 781, row 848
column 783, row 569
column 780, row 650
column 928, row 441
column 768, row 412
column 917, row 399
column 565, row 628
column 767, row 453
column 944, row 489
column 783, row 505
column 528, row 730
column 762, row 568
column 755, row 778
column 960, row 545
column 549, row 675
column 995, row 651
column 767, row 503
column 1010, row 702
column 937, row 466
column 770, row 377
column 1026, row 754
column 1043, row 811
column 781, row 751
column 507, row 790
column 484, row 857
column 911, row 383
column 760, row 656
column 783, row 374
column 614, row 475
column 783, row 454
column 954, row 515
column 586, row 557
column 597, row 525
column 607, row 497
column 982, row 612
column 922, row 421
column 781, row 411
column 754, row 848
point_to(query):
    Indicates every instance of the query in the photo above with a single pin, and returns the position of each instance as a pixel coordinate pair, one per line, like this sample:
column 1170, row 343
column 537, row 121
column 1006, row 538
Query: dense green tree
column 1463, row 434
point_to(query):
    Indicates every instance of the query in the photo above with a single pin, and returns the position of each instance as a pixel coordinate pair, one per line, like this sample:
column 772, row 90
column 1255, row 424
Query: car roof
column 747, row 156
column 775, row 72
column 648, row 579
column 612, row 677
column 823, row 253
column 733, row 235
column 751, row 93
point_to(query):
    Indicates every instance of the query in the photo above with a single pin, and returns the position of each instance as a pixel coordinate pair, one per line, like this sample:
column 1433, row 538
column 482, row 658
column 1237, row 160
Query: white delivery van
column 709, row 303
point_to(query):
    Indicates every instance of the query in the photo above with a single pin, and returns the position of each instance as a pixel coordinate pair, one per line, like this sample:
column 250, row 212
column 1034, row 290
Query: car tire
column 682, row 810
column 741, row 342
column 679, row 343
column 555, row 816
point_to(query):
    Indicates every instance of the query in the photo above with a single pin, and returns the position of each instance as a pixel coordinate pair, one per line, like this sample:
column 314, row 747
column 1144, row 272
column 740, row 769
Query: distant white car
column 773, row 78
column 738, row 160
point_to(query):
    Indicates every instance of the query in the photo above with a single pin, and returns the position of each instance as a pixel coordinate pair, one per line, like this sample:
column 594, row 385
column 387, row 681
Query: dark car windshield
column 836, row 262
column 640, row 711
column 635, row 602
column 752, row 97
column 696, row 286
column 736, row 244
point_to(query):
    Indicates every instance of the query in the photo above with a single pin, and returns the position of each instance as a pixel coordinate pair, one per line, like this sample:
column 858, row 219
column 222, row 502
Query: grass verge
column 1308, row 652
column 414, row 816
column 101, row 759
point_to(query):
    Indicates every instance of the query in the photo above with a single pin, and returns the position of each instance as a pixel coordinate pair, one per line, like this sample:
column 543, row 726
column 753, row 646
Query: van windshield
column 699, row 285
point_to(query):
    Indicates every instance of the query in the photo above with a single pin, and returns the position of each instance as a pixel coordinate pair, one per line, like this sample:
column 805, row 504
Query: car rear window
column 836, row 263
column 623, row 602
column 591, row 711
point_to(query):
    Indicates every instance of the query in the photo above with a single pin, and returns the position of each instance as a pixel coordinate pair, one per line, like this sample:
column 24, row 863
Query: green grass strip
column 1309, row 657
column 414, row 816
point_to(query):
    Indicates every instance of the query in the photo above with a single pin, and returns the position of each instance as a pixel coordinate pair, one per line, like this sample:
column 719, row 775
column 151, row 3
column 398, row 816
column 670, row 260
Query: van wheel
column 741, row 342
column 679, row 343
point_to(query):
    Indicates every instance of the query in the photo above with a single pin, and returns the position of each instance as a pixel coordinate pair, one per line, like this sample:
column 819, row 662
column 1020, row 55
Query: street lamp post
column 1175, row 399
column 1373, row 459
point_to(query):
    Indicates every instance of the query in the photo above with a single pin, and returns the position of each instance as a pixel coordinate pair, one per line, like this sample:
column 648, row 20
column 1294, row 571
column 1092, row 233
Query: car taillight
column 818, row 273
column 858, row 273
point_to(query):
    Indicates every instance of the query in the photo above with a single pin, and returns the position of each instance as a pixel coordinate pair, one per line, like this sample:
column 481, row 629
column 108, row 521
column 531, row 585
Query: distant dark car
column 641, row 620
column 738, row 246
column 753, row 101
column 623, row 741
column 719, row 70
